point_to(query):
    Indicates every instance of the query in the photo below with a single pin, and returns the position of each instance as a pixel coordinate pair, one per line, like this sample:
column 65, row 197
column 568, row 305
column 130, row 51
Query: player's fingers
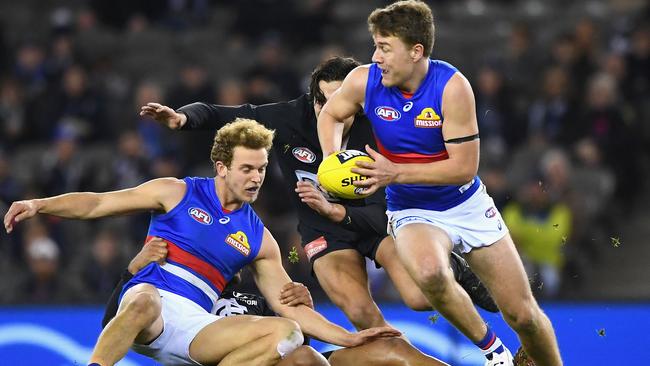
column 22, row 216
column 363, row 171
column 365, row 164
column 288, row 286
column 373, row 154
column 366, row 183
column 154, row 105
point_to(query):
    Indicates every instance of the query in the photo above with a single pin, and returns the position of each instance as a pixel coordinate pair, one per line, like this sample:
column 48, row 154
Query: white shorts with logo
column 474, row 223
column 183, row 320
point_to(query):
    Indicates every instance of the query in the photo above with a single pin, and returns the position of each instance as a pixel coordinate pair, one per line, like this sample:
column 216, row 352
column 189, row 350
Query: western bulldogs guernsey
column 206, row 246
column 409, row 130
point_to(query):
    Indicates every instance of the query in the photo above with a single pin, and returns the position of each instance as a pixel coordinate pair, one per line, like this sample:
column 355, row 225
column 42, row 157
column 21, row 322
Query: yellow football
column 334, row 174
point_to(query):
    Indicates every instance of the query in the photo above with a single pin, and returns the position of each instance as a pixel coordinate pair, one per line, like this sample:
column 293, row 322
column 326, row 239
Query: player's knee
column 435, row 278
column 363, row 316
column 143, row 308
column 287, row 335
column 307, row 356
column 524, row 319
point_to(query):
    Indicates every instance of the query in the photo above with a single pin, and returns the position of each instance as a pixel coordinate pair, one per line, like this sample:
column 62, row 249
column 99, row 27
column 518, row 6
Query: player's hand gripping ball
column 334, row 174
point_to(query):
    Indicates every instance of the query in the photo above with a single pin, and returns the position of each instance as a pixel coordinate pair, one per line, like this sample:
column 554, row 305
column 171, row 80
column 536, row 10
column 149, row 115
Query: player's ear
column 220, row 169
column 417, row 51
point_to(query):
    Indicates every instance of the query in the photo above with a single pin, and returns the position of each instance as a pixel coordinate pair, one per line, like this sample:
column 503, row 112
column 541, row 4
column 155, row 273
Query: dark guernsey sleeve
column 112, row 305
column 202, row 116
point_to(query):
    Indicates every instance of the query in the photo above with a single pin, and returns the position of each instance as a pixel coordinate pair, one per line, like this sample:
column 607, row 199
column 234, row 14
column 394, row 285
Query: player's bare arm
column 317, row 202
column 158, row 195
column 460, row 131
column 270, row 277
column 342, row 105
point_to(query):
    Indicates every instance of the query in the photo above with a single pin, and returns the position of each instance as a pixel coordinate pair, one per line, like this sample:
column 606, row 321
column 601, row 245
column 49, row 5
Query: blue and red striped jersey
column 408, row 129
column 206, row 244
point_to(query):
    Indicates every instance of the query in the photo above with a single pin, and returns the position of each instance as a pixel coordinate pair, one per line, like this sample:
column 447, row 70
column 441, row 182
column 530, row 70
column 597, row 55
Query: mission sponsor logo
column 388, row 114
column 428, row 118
column 304, row 155
column 200, row 215
column 239, row 241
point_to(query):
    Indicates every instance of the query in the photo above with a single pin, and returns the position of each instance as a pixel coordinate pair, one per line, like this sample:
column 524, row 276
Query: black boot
column 470, row 282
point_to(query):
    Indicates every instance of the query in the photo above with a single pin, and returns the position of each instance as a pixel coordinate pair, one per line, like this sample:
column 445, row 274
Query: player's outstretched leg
column 260, row 341
column 500, row 268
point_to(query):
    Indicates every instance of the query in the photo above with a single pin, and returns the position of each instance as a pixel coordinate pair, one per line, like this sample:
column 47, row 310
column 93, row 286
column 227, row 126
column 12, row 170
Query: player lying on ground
column 166, row 311
column 380, row 352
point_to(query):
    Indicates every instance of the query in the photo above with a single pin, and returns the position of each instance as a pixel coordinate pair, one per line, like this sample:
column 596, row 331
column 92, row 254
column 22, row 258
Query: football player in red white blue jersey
column 423, row 117
column 167, row 310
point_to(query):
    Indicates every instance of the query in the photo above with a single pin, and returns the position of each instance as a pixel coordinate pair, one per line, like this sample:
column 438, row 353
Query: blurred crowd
column 563, row 108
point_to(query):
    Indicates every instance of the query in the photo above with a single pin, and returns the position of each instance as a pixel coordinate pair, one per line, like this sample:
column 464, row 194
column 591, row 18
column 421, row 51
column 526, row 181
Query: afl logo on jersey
column 388, row 114
column 304, row 154
column 200, row 215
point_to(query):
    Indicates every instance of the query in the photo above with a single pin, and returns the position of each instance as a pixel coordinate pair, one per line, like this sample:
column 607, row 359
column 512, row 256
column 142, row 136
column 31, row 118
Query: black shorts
column 317, row 243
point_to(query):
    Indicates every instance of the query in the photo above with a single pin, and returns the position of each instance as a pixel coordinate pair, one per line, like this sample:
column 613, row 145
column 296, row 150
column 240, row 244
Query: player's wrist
column 336, row 213
column 182, row 119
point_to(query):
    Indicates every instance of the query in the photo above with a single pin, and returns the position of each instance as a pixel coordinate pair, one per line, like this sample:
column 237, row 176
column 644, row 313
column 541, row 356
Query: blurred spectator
column 231, row 92
column 102, row 269
column 539, row 228
column 154, row 138
column 131, row 165
column 273, row 70
column 603, row 122
column 552, row 113
column 193, row 85
column 44, row 283
column 12, row 113
column 30, row 68
column 62, row 169
column 10, row 189
column 500, row 129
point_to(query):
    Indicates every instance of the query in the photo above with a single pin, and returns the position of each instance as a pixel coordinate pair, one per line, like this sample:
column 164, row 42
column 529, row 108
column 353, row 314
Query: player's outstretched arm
column 204, row 116
column 343, row 104
column 159, row 194
column 270, row 276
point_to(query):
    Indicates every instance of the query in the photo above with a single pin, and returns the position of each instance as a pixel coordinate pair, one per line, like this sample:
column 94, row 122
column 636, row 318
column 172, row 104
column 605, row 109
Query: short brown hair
column 241, row 132
column 409, row 20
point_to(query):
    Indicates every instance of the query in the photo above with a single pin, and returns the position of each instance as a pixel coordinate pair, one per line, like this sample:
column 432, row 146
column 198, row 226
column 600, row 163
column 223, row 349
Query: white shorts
column 474, row 223
column 183, row 320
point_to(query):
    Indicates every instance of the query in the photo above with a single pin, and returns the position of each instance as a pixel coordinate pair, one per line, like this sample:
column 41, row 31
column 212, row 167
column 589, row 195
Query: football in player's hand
column 334, row 174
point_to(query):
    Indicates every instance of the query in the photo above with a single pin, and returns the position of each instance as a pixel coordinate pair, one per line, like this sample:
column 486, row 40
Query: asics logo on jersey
column 224, row 220
column 304, row 154
column 388, row 114
column 200, row 215
column 407, row 107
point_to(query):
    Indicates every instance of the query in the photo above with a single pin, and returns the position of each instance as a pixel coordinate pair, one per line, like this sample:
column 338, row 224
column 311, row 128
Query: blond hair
column 241, row 132
column 409, row 20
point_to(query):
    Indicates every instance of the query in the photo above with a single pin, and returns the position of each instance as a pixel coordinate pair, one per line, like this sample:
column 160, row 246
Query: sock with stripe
column 94, row 364
column 490, row 344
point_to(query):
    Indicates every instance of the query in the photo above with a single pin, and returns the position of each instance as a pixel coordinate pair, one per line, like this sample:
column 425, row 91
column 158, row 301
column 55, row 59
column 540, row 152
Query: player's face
column 394, row 59
column 327, row 88
column 246, row 174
